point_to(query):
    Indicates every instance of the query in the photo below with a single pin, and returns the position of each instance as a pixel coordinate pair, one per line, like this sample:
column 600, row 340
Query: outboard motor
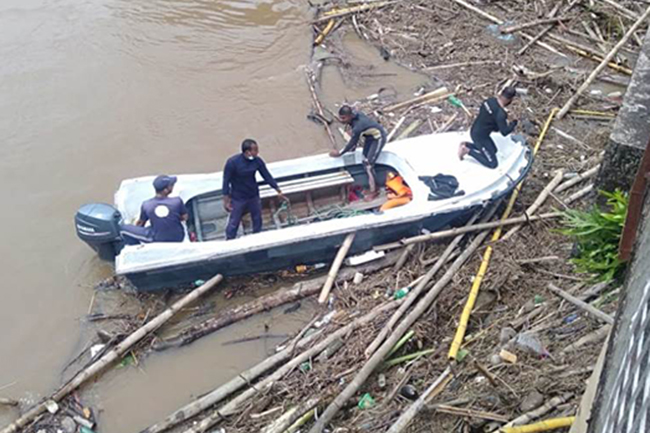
column 98, row 224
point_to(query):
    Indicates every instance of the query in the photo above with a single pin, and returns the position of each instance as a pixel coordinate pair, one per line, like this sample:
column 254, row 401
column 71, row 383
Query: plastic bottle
column 402, row 292
column 301, row 269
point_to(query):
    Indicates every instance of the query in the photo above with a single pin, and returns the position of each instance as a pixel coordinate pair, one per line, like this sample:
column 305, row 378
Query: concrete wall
column 623, row 402
column 631, row 131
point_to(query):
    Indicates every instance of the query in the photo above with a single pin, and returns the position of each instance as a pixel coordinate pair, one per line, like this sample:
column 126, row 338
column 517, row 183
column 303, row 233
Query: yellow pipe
column 476, row 285
column 549, row 424
column 593, row 113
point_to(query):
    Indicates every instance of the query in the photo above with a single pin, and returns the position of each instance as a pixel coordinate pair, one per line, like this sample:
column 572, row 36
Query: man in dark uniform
column 241, row 193
column 165, row 213
column 374, row 136
column 492, row 117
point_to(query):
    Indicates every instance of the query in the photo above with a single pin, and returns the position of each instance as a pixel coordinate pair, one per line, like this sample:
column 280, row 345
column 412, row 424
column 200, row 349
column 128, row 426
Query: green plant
column 597, row 234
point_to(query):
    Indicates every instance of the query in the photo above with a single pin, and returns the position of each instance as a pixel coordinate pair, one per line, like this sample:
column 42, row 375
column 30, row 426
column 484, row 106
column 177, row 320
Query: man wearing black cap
column 165, row 213
column 492, row 117
column 241, row 194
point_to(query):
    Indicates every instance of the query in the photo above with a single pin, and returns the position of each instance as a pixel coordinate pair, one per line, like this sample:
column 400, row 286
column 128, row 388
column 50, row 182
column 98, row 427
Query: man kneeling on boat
column 166, row 214
column 492, row 117
column 241, row 194
column 374, row 136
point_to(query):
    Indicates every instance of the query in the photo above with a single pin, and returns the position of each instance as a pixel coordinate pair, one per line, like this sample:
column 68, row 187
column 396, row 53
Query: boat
column 322, row 211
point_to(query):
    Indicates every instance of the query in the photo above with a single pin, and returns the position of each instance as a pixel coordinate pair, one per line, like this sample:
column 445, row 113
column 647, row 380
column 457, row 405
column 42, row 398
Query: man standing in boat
column 374, row 136
column 241, row 193
column 492, row 117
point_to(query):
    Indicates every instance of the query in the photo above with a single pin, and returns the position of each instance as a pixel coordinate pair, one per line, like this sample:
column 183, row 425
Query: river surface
column 92, row 92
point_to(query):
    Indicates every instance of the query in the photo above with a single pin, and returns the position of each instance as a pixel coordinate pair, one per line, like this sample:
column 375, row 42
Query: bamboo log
column 213, row 397
column 407, row 416
column 8, row 402
column 628, row 13
column 540, row 411
column 579, row 194
column 593, row 337
column 567, row 106
column 408, row 321
column 534, row 23
column 541, row 198
column 291, row 416
column 322, row 35
column 114, row 354
column 337, row 13
column 336, row 265
column 579, row 178
column 462, row 64
column 395, row 128
column 232, row 406
column 546, row 425
column 581, row 304
column 442, row 92
column 546, row 30
column 409, row 129
column 403, row 257
column 469, row 413
column 410, row 299
column 295, row 427
column 241, row 312
column 467, row 229
column 500, row 22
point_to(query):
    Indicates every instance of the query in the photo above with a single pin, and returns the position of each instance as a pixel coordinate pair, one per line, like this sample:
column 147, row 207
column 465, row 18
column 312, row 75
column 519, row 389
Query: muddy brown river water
column 92, row 92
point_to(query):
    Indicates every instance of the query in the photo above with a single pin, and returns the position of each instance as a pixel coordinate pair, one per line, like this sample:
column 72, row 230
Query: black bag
column 442, row 186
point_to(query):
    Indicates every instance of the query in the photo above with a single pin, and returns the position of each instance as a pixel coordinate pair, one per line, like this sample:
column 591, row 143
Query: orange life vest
column 396, row 184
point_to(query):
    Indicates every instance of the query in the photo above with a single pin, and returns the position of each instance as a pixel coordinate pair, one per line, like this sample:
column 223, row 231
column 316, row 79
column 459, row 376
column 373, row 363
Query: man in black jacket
column 492, row 117
column 374, row 136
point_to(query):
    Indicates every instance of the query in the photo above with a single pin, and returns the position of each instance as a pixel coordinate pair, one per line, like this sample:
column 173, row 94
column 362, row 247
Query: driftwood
column 537, row 260
column 594, row 290
column 545, row 31
column 462, row 64
column 469, row 413
column 291, row 416
column 235, row 404
column 235, row 314
column 409, row 129
column 8, row 402
column 581, row 304
column 500, row 22
column 401, row 329
column 410, row 299
column 593, row 337
column 336, row 13
column 541, row 426
column 403, row 257
column 319, row 107
column 535, row 23
column 241, row 380
column 467, row 229
column 322, row 35
column 442, row 92
column 334, row 270
column 603, row 64
column 577, row 179
column 542, row 410
column 579, row 194
column 114, row 354
column 628, row 13
column 395, row 128
column 407, row 416
column 539, row 201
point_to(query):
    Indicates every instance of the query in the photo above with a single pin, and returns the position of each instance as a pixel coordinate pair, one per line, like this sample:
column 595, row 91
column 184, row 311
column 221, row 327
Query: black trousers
column 371, row 150
column 484, row 151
